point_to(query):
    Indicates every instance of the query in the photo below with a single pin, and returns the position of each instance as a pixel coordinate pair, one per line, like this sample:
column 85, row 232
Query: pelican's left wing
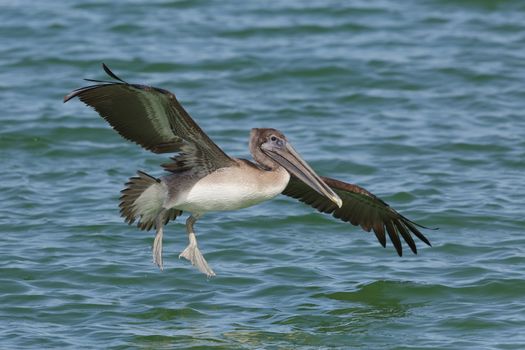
column 360, row 208
column 152, row 118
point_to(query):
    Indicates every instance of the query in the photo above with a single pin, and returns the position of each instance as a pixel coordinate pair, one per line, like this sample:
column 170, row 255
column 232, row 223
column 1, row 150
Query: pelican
column 202, row 178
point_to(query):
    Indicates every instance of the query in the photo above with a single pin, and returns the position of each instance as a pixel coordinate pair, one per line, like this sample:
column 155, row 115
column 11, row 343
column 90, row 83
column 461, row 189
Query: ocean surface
column 420, row 102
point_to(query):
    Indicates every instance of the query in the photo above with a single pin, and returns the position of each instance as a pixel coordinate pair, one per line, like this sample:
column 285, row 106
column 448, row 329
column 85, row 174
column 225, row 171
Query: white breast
column 231, row 189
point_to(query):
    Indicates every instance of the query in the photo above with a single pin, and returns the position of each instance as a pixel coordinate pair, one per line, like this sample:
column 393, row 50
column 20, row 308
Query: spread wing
column 360, row 208
column 154, row 119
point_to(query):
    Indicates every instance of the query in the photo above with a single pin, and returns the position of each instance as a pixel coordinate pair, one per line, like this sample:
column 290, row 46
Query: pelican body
column 201, row 178
column 232, row 188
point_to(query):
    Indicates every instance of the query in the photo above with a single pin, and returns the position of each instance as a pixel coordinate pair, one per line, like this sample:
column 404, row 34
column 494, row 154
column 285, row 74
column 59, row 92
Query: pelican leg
column 192, row 252
column 157, row 243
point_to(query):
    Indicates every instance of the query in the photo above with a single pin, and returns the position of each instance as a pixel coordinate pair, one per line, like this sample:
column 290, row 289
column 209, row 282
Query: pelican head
column 270, row 148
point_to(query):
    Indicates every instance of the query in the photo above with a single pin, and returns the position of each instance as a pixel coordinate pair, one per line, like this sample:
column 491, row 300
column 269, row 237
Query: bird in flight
column 202, row 178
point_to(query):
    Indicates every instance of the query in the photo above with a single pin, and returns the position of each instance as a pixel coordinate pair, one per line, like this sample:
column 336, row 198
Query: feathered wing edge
column 361, row 208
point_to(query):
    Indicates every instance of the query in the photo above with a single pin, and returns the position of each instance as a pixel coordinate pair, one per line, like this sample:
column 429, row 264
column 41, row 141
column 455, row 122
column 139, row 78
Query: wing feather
column 394, row 237
column 379, row 230
column 360, row 208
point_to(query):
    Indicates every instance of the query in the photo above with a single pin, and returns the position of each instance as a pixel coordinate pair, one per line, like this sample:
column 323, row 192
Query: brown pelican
column 202, row 178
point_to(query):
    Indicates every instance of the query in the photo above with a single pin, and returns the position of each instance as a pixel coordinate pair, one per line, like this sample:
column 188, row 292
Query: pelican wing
column 152, row 118
column 360, row 208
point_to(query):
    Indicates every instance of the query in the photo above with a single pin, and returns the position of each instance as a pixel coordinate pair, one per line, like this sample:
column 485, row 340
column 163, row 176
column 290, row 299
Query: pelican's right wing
column 360, row 208
column 154, row 119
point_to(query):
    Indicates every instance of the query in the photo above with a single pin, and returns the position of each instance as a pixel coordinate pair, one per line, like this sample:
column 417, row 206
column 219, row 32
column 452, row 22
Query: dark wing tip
column 419, row 225
column 379, row 230
column 79, row 91
column 412, row 227
column 394, row 237
column 108, row 71
column 111, row 74
column 70, row 95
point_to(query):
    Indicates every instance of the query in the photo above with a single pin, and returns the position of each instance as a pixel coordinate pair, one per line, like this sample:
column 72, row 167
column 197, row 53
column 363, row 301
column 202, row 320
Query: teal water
column 421, row 102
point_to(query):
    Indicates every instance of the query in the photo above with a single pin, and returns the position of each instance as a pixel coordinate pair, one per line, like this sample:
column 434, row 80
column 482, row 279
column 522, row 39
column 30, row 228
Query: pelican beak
column 288, row 158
